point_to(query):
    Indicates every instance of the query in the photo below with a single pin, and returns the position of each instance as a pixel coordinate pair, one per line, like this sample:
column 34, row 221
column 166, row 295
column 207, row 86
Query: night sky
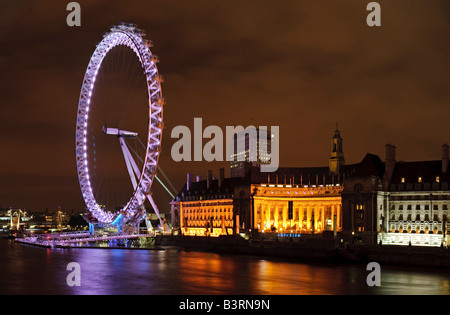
column 301, row 65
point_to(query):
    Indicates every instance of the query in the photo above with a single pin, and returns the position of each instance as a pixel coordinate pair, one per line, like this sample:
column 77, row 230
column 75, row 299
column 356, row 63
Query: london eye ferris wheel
column 119, row 127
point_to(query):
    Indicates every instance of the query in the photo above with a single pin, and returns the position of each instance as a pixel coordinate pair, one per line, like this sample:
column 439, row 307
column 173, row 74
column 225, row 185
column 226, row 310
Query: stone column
column 308, row 217
column 256, row 217
column 262, row 216
column 332, row 218
column 275, row 216
column 323, row 218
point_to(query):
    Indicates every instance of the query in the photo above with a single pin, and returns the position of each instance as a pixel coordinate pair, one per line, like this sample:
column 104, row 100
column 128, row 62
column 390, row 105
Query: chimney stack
column 445, row 158
column 208, row 179
column 390, row 152
column 188, row 180
column 221, row 176
column 389, row 163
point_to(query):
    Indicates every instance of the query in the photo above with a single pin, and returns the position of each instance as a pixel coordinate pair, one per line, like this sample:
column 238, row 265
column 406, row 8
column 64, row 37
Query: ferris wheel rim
column 133, row 38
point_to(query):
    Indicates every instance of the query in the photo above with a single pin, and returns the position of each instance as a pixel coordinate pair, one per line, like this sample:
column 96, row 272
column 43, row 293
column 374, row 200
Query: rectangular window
column 419, row 179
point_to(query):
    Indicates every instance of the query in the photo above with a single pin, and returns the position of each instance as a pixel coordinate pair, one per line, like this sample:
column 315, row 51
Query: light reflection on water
column 30, row 270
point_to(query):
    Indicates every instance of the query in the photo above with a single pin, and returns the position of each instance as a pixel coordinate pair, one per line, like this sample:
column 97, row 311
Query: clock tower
column 337, row 154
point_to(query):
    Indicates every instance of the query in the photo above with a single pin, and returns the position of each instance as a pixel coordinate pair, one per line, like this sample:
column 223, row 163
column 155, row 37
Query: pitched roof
column 428, row 171
column 371, row 165
column 200, row 188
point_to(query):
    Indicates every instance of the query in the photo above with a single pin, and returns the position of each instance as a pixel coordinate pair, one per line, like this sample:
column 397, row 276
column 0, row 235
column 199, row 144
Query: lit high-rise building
column 251, row 147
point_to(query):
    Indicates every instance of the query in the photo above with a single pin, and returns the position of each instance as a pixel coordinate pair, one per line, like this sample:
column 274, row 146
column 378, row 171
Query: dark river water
column 31, row 270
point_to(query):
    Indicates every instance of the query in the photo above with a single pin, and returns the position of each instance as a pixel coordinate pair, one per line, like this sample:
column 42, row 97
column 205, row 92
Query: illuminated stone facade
column 413, row 207
column 297, row 209
column 227, row 206
column 206, row 217
column 397, row 203
column 205, row 207
column 416, row 217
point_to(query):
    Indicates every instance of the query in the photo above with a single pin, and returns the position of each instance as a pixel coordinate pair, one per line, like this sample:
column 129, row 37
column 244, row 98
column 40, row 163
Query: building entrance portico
column 284, row 208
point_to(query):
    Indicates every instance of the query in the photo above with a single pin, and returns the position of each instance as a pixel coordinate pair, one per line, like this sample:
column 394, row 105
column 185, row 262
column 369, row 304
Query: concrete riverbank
column 321, row 250
column 316, row 249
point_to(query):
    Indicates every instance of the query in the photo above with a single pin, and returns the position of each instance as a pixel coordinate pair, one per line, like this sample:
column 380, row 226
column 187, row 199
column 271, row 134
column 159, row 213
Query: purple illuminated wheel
column 94, row 126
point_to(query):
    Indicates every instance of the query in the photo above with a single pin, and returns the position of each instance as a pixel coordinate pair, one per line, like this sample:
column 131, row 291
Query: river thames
column 32, row 270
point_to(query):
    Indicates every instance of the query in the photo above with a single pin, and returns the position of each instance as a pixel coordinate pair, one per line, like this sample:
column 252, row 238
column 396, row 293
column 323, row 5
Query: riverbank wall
column 319, row 250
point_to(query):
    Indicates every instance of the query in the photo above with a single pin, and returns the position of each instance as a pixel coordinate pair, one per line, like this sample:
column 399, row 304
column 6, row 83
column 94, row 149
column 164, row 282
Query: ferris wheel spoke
column 129, row 165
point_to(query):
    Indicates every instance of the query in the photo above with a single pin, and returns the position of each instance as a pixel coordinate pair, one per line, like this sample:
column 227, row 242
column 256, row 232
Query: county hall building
column 290, row 200
column 374, row 201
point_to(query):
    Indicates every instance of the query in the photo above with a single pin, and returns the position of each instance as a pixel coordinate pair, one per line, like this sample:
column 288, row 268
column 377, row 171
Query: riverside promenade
column 67, row 240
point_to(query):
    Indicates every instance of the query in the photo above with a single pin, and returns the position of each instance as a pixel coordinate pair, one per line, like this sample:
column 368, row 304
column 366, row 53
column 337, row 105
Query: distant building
column 251, row 147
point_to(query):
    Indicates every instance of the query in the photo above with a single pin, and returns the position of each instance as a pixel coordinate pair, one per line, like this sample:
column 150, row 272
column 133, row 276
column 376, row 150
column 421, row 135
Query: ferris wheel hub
column 119, row 133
